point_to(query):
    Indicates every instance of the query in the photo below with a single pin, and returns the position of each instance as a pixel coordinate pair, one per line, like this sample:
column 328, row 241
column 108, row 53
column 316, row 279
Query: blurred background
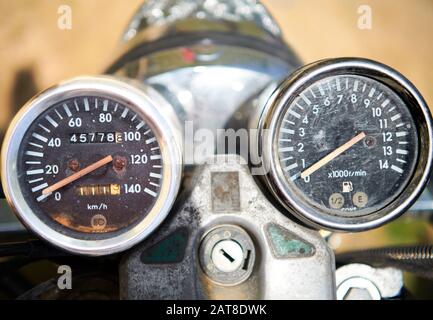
column 35, row 54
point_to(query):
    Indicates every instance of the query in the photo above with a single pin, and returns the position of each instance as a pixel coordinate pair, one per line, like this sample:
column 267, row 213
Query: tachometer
column 93, row 165
column 349, row 144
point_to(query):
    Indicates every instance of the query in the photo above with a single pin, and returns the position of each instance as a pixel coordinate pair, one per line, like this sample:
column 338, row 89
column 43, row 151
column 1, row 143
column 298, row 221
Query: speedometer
column 349, row 144
column 93, row 165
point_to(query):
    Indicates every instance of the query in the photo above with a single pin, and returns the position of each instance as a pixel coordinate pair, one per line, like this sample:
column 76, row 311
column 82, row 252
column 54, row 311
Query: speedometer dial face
column 74, row 135
column 348, row 144
column 93, row 165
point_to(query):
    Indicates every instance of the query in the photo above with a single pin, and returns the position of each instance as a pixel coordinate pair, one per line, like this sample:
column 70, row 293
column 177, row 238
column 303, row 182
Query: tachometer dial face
column 94, row 164
column 348, row 144
column 75, row 134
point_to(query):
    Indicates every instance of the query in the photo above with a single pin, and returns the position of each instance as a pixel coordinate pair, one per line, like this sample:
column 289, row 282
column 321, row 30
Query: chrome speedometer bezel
column 271, row 117
column 147, row 103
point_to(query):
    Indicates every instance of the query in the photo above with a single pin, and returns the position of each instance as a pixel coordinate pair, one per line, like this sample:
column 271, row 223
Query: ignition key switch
column 227, row 255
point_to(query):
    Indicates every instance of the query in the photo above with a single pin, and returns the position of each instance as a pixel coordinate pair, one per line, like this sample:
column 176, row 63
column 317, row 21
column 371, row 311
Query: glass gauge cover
column 349, row 144
column 374, row 124
column 93, row 160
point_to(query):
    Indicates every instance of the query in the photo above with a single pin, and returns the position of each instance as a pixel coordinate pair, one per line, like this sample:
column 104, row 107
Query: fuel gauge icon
column 347, row 187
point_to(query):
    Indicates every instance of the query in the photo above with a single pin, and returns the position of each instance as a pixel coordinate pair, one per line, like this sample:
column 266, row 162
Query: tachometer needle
column 77, row 175
column 334, row 154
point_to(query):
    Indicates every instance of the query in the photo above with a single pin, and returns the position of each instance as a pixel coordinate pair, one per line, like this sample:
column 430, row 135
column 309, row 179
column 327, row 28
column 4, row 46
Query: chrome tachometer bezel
column 146, row 102
column 271, row 116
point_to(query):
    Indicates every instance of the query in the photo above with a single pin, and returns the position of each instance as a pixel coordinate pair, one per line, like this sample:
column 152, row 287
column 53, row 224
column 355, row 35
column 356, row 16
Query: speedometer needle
column 334, row 154
column 77, row 175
